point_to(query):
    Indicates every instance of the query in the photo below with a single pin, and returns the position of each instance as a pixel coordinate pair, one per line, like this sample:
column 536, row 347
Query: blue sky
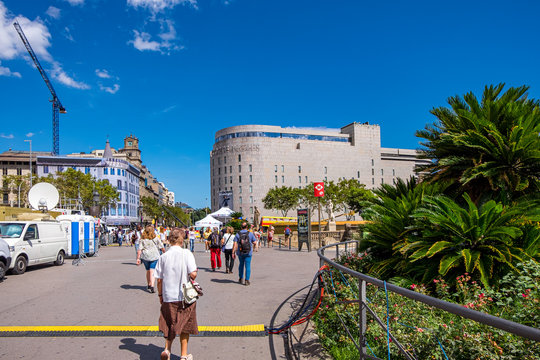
column 174, row 72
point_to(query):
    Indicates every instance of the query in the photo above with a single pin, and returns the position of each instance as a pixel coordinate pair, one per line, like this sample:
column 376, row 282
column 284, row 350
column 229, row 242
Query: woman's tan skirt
column 177, row 318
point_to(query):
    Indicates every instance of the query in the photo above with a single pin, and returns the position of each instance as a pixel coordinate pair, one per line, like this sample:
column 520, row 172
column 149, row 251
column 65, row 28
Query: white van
column 34, row 242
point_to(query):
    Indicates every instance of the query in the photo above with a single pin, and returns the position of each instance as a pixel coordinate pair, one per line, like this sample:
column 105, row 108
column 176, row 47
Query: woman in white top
column 174, row 269
column 148, row 252
column 228, row 243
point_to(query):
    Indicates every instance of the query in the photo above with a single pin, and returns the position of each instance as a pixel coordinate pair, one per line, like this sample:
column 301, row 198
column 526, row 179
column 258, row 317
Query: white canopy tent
column 224, row 212
column 208, row 221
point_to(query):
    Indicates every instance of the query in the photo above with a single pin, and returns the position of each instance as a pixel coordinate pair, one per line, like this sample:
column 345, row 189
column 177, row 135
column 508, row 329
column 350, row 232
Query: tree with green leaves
column 487, row 148
column 19, row 185
column 283, row 199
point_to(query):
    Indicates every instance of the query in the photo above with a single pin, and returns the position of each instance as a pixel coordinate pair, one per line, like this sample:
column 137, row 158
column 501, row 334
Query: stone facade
column 250, row 159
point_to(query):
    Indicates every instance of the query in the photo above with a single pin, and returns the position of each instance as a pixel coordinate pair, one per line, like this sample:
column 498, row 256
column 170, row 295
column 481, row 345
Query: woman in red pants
column 215, row 249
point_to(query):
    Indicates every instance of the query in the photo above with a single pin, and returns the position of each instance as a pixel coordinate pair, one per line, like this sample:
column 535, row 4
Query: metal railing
column 480, row 317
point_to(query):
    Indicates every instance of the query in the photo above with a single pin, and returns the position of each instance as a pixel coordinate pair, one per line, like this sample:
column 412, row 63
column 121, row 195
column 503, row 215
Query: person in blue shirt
column 244, row 243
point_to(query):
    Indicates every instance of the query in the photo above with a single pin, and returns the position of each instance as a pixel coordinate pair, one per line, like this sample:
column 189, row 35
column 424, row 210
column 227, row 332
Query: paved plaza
column 111, row 290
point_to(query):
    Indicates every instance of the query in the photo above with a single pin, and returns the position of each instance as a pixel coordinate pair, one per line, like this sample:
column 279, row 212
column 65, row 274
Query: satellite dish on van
column 43, row 196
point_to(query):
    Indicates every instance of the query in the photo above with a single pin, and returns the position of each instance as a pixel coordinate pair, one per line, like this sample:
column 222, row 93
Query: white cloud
column 143, row 41
column 4, row 71
column 75, row 2
column 68, row 35
column 156, row 6
column 59, row 74
column 30, row 134
column 10, row 136
column 53, row 12
column 38, row 35
column 110, row 90
column 104, row 74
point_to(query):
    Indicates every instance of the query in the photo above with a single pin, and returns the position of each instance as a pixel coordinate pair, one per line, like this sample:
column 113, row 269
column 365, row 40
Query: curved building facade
column 247, row 160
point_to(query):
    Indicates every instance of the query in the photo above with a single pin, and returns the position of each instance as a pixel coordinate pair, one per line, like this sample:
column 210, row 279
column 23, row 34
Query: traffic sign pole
column 320, row 242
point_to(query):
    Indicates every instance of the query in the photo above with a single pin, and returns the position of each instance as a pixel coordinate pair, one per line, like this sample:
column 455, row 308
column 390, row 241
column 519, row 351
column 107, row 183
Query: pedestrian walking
column 271, row 231
column 244, row 242
column 287, row 235
column 148, row 253
column 175, row 269
column 206, row 235
column 228, row 244
column 215, row 249
column 136, row 238
column 120, row 236
column 192, row 236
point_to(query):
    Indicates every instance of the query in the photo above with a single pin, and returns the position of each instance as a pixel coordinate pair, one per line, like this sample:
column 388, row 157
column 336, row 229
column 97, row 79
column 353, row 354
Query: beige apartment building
column 246, row 161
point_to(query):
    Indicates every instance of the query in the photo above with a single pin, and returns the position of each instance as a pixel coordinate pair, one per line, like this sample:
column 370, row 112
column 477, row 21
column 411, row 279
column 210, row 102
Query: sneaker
column 152, row 289
column 247, row 283
column 241, row 281
column 187, row 357
column 214, row 269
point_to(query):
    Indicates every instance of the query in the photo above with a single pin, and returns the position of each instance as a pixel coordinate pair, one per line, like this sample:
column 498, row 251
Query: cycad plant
column 479, row 240
column 488, row 148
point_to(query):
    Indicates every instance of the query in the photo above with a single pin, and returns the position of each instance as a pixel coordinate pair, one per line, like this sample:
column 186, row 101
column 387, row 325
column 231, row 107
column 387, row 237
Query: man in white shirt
column 174, row 269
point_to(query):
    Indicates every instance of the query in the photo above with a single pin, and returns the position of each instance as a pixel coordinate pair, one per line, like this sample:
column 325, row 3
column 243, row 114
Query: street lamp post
column 30, row 162
column 19, row 196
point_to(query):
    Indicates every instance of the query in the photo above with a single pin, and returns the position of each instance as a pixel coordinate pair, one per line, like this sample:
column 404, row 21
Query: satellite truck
column 34, row 238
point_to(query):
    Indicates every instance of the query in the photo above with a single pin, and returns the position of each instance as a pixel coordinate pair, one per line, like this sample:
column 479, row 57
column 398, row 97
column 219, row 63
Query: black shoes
column 241, row 281
column 151, row 289
column 247, row 283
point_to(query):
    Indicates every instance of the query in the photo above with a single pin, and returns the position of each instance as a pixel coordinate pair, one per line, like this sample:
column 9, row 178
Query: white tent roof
column 208, row 221
column 223, row 212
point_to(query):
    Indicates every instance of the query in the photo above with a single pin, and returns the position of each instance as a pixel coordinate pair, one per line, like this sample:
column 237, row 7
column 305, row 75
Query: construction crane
column 56, row 104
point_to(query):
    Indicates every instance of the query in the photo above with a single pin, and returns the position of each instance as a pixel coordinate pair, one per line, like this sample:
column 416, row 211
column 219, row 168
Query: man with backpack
column 244, row 242
column 287, row 235
column 215, row 249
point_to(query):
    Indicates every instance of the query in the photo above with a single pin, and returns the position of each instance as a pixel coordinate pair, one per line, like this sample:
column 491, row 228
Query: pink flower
column 435, row 281
column 420, row 329
column 481, row 296
column 413, row 286
column 525, row 295
column 445, row 326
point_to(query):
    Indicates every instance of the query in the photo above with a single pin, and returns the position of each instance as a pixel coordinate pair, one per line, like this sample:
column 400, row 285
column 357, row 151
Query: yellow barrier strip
column 258, row 327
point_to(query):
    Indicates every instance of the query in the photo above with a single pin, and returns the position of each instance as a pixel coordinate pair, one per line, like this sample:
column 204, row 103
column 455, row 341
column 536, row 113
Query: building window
column 4, row 171
column 230, row 179
column 239, row 178
column 239, row 168
column 120, row 196
column 219, row 171
column 86, row 170
column 112, row 171
column 282, row 179
column 250, row 178
column 300, row 179
column 372, row 162
column 113, row 211
column 299, row 169
column 119, row 184
column 306, row 179
column 325, row 170
column 250, row 168
column 250, row 188
column 251, row 199
column 240, row 208
column 382, row 181
column 239, row 159
column 372, row 181
column 382, row 172
column 239, row 189
column 393, row 172
column 325, row 178
column 225, row 170
column 358, row 174
column 19, row 171
column 240, row 198
column 275, row 168
column 230, row 169
column 394, row 181
column 60, row 168
column 275, row 178
column 282, row 168
column 251, row 210
column 106, row 172
column 224, row 159
column 45, row 169
column 372, row 171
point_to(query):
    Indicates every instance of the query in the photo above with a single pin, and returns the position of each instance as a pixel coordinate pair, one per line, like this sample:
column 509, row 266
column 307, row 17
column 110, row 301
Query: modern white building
column 246, row 161
column 120, row 174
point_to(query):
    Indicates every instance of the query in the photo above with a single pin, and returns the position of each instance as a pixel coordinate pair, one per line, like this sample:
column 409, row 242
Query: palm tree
column 486, row 148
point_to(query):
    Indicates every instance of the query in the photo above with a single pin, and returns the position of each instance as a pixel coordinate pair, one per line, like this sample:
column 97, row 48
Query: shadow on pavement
column 145, row 352
column 129, row 263
column 224, row 281
column 134, row 287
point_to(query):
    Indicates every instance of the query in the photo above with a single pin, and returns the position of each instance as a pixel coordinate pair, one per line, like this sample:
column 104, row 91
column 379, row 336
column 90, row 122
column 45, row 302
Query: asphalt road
column 111, row 290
